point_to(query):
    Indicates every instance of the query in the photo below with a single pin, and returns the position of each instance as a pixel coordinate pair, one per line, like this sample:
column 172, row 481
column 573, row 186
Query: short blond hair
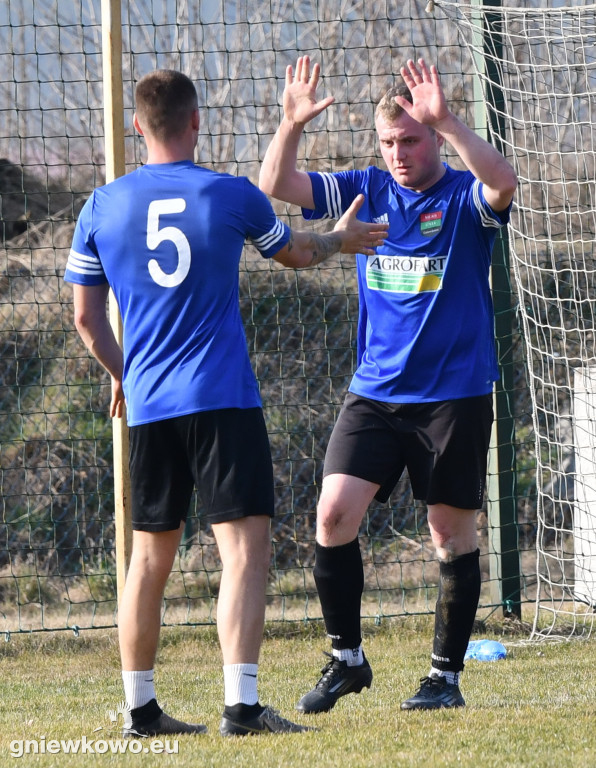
column 388, row 108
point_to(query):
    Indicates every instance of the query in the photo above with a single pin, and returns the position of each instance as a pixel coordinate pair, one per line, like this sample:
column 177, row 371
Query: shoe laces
column 274, row 717
column 272, row 714
column 432, row 683
column 328, row 670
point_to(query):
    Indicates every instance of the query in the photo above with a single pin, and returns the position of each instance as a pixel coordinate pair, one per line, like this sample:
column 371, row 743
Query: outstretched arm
column 94, row 328
column 429, row 107
column 279, row 176
column 350, row 235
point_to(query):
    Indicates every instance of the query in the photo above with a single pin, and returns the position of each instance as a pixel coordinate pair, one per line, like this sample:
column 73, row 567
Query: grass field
column 536, row 708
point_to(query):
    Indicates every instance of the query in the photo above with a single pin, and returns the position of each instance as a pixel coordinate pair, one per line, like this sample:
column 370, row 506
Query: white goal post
column 545, row 62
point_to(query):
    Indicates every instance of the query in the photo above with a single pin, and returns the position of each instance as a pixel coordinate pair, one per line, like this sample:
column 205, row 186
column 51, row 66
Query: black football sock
column 339, row 576
column 457, row 602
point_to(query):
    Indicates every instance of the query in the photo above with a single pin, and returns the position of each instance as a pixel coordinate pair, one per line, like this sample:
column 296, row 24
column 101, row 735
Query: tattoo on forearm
column 323, row 246
column 320, row 247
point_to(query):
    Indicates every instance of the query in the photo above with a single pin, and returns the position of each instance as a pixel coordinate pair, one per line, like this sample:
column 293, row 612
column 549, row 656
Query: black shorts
column 443, row 445
column 224, row 453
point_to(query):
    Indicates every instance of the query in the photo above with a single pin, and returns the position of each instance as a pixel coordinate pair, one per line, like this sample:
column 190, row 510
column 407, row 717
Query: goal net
column 537, row 67
column 56, row 465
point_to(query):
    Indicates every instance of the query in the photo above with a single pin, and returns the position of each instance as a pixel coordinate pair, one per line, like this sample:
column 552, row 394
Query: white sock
column 352, row 656
column 451, row 677
column 138, row 687
column 240, row 684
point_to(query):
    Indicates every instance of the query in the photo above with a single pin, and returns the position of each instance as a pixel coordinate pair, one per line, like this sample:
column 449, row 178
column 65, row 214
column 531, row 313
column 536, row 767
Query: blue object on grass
column 485, row 650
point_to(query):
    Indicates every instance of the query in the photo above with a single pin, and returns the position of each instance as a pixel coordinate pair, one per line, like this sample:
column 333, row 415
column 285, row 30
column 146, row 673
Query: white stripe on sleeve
column 83, row 264
column 269, row 239
column 487, row 218
column 332, row 196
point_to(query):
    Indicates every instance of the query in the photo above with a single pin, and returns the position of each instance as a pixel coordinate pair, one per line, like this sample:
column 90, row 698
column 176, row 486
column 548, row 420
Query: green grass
column 536, row 708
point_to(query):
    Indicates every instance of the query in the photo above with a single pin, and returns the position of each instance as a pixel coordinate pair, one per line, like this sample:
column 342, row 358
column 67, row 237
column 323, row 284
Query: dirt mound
column 36, row 226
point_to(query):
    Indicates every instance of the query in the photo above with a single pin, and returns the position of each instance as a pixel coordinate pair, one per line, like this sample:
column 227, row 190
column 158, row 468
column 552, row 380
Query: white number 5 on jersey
column 155, row 236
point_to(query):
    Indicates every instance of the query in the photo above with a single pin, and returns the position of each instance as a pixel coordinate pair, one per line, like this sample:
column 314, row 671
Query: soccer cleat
column 337, row 680
column 153, row 721
column 269, row 721
column 435, row 693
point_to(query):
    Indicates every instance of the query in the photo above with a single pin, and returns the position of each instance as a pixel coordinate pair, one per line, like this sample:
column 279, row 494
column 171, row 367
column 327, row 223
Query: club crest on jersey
column 431, row 223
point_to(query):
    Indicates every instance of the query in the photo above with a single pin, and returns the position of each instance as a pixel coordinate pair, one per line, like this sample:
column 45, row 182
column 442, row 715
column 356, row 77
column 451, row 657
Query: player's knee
column 330, row 512
column 335, row 525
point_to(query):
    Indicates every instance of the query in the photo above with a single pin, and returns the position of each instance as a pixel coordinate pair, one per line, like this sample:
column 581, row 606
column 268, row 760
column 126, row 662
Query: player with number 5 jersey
column 168, row 239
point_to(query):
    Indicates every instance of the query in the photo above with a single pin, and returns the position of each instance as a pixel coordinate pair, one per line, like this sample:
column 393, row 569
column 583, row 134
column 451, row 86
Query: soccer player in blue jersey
column 421, row 395
column 167, row 239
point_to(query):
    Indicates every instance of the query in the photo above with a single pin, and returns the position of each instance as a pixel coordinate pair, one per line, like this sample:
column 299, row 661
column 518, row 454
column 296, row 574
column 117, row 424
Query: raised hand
column 359, row 236
column 299, row 100
column 428, row 100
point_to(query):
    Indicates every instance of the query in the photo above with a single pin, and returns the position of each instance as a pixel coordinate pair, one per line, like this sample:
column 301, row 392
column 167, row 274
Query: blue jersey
column 168, row 239
column 426, row 325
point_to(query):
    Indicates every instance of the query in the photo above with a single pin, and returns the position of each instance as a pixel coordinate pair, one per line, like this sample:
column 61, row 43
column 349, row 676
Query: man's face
column 411, row 152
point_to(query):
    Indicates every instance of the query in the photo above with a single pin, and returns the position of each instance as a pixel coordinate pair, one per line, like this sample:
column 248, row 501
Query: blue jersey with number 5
column 168, row 239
